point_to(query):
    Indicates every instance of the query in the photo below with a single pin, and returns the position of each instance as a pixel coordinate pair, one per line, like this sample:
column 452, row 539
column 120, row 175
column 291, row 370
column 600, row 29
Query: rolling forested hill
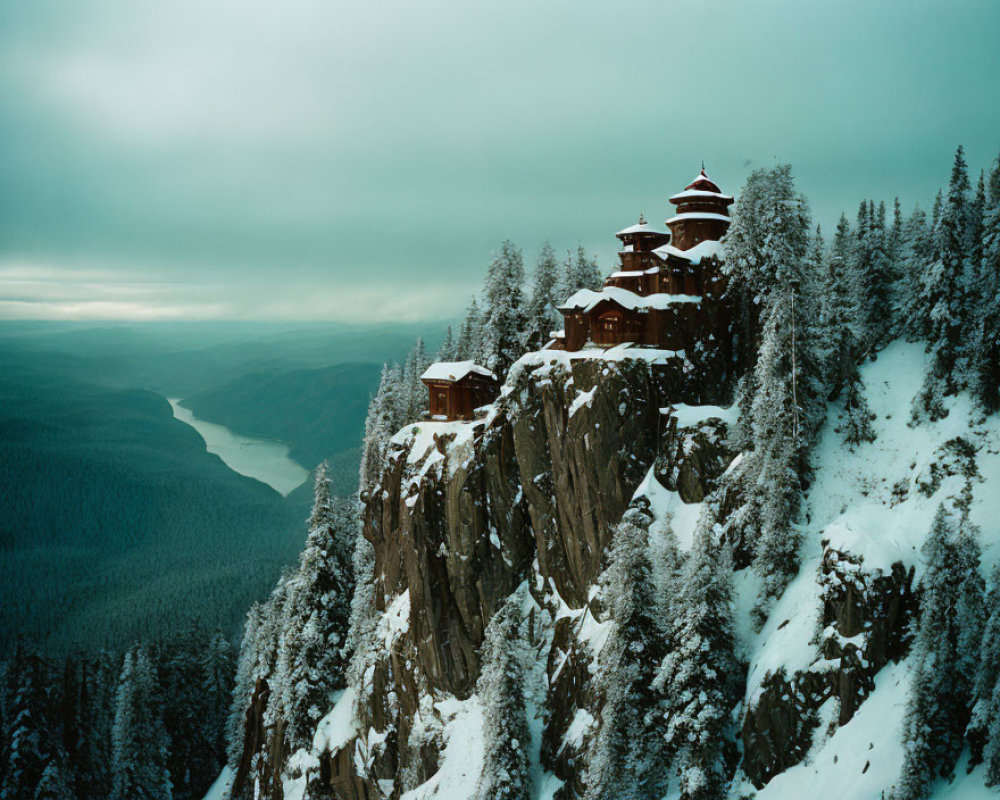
column 116, row 524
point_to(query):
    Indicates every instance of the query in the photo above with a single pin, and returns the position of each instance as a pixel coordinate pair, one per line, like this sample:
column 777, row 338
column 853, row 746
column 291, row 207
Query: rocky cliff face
column 527, row 498
column 466, row 512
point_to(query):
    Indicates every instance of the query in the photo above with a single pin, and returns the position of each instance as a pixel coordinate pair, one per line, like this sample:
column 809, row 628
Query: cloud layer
column 333, row 160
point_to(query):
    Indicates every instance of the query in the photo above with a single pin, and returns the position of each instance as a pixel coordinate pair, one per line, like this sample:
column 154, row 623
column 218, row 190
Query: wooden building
column 458, row 388
column 665, row 281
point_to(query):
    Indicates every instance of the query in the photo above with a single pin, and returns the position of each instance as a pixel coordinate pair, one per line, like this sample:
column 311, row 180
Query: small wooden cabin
column 458, row 388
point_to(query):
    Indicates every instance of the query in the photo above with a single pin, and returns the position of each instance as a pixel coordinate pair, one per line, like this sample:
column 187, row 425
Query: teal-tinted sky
column 316, row 159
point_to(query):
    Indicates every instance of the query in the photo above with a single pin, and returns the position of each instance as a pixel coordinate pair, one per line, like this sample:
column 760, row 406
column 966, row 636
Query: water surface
column 263, row 459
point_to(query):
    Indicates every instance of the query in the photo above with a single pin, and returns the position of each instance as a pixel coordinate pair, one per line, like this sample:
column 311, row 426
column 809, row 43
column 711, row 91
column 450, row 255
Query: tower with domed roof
column 702, row 213
column 669, row 290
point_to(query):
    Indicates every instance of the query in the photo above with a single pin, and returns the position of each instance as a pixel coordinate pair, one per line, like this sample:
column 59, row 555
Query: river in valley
column 263, row 459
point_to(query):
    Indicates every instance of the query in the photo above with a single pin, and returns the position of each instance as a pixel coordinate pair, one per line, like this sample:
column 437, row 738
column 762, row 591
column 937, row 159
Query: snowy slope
column 867, row 502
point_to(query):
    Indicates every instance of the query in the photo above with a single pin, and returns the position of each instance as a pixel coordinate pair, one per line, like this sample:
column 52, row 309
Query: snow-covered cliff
column 524, row 502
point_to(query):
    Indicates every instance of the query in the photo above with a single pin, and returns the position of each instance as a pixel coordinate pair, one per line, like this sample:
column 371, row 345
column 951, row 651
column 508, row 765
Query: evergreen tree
column 580, row 272
column 876, row 282
column 139, row 740
column 217, row 675
column 984, row 725
column 895, row 239
column 317, row 612
column 32, row 740
column 837, row 310
column 505, row 723
column 54, row 784
column 504, row 323
column 843, row 349
column 699, row 676
column 413, row 398
column 945, row 655
column 766, row 247
column 855, row 420
column 918, row 255
column 247, row 673
column 779, row 399
column 945, row 296
column 543, row 317
column 985, row 359
column 446, row 352
column 381, row 423
column 780, row 436
column 179, row 677
column 628, row 754
column 93, row 768
column 470, row 335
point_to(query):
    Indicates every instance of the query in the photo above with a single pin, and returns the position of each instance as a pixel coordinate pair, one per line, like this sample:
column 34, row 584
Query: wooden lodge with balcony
column 458, row 388
column 664, row 283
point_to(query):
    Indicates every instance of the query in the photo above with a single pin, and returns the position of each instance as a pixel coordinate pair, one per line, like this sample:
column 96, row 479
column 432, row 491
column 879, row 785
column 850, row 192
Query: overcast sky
column 315, row 159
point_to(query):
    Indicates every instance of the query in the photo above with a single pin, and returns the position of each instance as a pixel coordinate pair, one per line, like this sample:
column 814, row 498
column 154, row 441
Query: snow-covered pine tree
column 217, row 673
column 542, row 315
column 767, row 246
column 778, row 461
column 381, row 423
column 317, row 615
column 501, row 690
column 779, row 399
column 54, row 784
column 580, row 271
column 98, row 679
column 838, row 305
column 699, row 677
column 855, row 419
column 628, row 755
column 917, row 257
column 247, row 673
column 876, row 282
column 842, row 348
column 895, row 238
column 412, row 393
column 257, row 667
column 975, row 228
column 985, row 358
column 944, row 297
column 32, row 742
column 470, row 334
column 984, row 726
column 138, row 739
column 177, row 665
column 504, row 321
column 446, row 352
column 944, row 654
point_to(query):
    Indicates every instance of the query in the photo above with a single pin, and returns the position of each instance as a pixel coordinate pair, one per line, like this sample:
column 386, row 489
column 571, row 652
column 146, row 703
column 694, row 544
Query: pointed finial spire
column 703, row 167
column 642, row 219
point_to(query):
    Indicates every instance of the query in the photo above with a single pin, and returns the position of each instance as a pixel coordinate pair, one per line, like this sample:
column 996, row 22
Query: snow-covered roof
column 706, row 249
column 695, row 194
column 454, row 371
column 699, row 215
column 586, row 299
column 628, row 273
column 702, row 180
column 641, row 227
